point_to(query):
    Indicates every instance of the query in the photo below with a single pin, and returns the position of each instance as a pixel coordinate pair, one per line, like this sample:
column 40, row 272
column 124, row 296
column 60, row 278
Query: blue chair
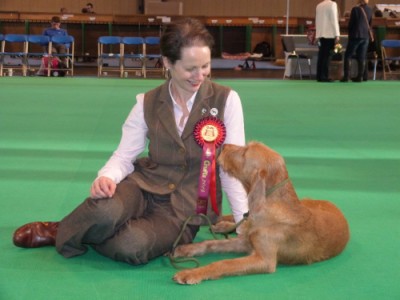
column 109, row 55
column 390, row 50
column 14, row 48
column 38, row 47
column 67, row 58
column 132, row 57
column 152, row 53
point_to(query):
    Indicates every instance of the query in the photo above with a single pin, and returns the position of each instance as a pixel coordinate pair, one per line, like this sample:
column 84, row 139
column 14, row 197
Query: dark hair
column 184, row 33
column 55, row 19
column 89, row 4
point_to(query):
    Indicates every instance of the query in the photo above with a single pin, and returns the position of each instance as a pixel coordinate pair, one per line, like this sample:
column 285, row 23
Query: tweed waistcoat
column 173, row 164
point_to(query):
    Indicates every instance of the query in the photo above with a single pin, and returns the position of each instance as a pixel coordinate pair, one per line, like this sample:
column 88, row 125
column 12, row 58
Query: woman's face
column 188, row 73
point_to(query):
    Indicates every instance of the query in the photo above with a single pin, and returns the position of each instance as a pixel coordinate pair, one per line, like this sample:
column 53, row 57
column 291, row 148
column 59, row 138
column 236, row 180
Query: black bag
column 263, row 48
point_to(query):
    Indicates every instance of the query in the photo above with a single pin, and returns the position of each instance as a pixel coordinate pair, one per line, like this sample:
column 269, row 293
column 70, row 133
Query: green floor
column 341, row 142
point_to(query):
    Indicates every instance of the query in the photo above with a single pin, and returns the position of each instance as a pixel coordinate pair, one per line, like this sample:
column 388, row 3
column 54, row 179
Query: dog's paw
column 187, row 277
column 187, row 250
column 223, row 227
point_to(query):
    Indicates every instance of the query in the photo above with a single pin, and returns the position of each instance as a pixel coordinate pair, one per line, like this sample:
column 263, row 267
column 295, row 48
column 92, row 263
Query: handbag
column 371, row 33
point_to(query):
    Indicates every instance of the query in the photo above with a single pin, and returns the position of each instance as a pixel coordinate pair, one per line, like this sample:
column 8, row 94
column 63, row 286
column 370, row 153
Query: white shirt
column 326, row 20
column 133, row 143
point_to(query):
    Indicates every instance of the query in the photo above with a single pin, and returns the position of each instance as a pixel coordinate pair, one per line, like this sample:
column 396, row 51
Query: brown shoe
column 36, row 234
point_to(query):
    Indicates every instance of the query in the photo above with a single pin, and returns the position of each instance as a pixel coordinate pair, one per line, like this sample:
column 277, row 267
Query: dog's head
column 250, row 162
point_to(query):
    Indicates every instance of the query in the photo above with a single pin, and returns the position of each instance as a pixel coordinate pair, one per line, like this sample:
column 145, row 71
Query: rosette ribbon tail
column 213, row 188
column 207, row 180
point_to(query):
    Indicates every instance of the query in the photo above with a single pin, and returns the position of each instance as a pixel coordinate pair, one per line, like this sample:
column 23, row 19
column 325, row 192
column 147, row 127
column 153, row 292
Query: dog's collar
column 275, row 187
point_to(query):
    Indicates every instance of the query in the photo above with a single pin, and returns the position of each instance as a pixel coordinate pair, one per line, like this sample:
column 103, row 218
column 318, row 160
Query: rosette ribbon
column 209, row 133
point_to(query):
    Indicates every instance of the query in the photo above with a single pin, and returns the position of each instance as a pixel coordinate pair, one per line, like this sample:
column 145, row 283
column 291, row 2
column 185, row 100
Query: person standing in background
column 327, row 34
column 359, row 26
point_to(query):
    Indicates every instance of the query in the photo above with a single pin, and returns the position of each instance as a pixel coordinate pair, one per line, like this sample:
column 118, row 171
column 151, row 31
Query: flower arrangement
column 338, row 48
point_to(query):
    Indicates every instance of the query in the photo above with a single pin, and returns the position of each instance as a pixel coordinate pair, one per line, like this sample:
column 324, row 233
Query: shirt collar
column 189, row 103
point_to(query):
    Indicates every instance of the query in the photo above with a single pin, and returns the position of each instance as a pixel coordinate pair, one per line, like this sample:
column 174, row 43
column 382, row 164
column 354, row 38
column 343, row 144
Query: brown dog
column 280, row 228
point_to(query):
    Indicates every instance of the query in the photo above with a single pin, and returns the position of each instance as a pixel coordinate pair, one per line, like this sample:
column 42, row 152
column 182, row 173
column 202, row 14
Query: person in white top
column 136, row 210
column 327, row 35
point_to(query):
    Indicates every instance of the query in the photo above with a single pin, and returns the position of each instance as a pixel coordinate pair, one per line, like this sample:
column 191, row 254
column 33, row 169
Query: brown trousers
column 133, row 226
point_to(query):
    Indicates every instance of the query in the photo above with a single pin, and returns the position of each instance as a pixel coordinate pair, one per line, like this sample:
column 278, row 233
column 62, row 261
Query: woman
column 327, row 34
column 135, row 211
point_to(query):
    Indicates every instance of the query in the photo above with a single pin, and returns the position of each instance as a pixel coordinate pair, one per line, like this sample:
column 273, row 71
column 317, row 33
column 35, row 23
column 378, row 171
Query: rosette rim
column 210, row 120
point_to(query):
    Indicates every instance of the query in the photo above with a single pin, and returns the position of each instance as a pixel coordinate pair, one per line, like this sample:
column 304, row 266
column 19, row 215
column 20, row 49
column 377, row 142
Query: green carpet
column 341, row 142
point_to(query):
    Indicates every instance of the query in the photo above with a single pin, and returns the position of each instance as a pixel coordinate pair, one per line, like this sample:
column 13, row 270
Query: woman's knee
column 104, row 209
column 126, row 203
column 136, row 248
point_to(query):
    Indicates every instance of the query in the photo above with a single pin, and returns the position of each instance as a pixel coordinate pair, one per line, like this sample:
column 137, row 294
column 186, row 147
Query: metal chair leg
column 375, row 66
column 298, row 66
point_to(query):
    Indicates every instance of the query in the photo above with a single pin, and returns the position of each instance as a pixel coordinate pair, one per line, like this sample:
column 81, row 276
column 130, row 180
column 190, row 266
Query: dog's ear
column 257, row 174
column 257, row 191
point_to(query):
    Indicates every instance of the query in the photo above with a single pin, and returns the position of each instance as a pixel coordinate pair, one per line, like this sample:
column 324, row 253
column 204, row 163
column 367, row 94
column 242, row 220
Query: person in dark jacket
column 359, row 24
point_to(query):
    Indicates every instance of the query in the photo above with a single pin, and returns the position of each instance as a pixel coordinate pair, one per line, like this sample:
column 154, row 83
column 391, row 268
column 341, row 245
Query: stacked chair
column 123, row 55
column 35, row 50
column 67, row 59
column 24, row 52
column 132, row 55
column 13, row 49
column 109, row 55
column 129, row 54
column 152, row 56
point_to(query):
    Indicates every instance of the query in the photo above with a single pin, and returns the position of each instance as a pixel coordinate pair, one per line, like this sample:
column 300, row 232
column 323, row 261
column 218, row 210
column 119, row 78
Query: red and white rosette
column 209, row 133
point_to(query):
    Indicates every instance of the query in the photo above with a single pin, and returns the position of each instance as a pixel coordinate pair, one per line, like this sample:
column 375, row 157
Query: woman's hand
column 102, row 187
